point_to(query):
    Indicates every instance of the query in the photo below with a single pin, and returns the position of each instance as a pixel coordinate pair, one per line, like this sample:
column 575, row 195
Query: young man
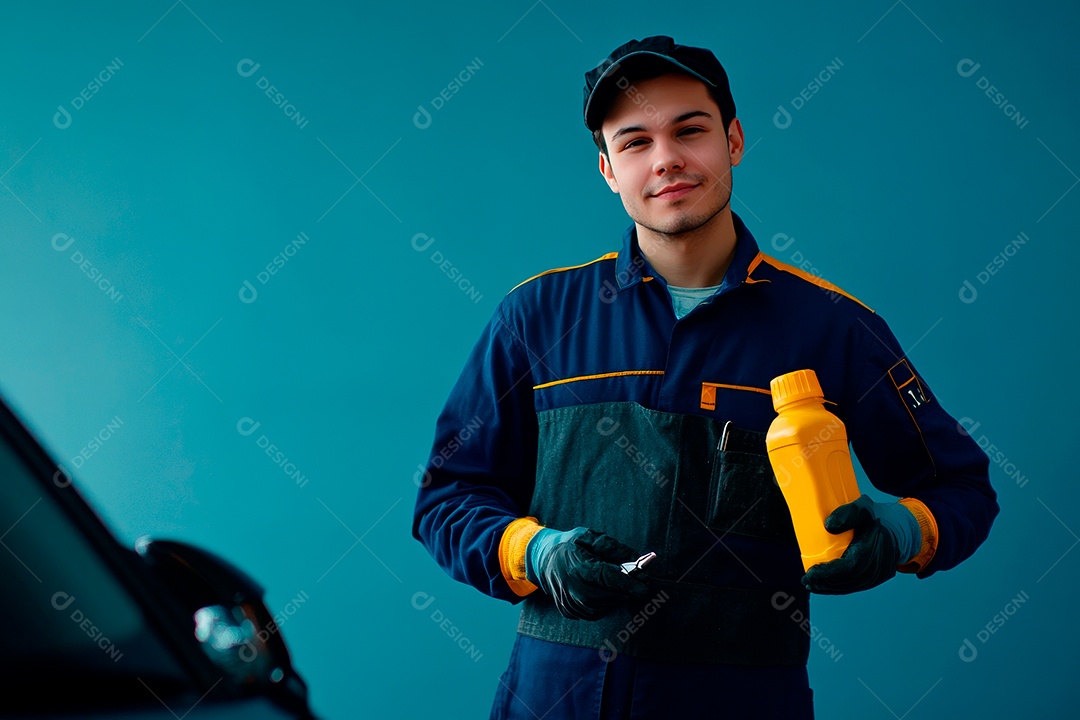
column 623, row 406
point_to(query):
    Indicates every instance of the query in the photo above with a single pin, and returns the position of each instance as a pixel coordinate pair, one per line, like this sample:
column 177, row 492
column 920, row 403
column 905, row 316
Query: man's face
column 668, row 155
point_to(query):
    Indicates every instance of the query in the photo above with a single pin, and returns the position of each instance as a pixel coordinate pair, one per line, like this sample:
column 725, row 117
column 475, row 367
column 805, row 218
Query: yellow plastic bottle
column 808, row 450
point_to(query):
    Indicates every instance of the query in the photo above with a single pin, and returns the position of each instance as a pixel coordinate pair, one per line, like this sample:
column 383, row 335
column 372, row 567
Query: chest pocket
column 744, row 497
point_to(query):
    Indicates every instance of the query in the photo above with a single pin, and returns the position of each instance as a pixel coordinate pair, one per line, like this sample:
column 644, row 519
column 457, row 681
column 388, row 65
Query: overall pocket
column 744, row 497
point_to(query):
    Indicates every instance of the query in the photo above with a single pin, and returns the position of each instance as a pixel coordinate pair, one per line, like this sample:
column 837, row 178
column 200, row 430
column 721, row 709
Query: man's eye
column 633, row 143
column 684, row 131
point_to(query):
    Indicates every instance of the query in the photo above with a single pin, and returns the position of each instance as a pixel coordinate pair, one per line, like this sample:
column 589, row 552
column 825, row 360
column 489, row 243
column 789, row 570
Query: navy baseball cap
column 605, row 80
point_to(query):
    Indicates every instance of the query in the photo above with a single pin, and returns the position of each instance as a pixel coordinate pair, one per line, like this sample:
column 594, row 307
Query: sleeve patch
column 908, row 386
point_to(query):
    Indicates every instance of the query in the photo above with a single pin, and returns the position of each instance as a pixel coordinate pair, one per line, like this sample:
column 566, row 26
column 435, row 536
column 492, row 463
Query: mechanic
column 603, row 391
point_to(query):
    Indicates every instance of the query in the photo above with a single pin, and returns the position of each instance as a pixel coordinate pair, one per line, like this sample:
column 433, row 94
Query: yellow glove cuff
column 929, row 528
column 515, row 539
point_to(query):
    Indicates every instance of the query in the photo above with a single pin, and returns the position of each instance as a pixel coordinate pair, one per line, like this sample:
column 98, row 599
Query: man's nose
column 669, row 155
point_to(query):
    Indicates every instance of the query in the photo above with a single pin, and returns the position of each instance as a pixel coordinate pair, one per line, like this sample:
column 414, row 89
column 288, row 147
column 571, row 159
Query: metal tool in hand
column 639, row 564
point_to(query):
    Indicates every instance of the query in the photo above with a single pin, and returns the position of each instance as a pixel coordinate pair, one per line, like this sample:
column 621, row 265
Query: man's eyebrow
column 628, row 129
column 688, row 115
column 681, row 118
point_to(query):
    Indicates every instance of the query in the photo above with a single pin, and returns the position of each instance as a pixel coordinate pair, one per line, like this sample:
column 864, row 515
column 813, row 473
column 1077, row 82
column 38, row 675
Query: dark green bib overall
column 726, row 576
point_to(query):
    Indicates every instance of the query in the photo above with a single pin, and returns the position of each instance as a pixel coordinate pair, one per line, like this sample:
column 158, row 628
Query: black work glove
column 868, row 561
column 583, row 576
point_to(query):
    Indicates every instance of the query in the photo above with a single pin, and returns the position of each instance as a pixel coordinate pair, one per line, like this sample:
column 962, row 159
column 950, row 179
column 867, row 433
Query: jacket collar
column 631, row 267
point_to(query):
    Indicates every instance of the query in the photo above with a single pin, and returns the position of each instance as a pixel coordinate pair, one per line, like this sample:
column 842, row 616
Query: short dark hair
column 648, row 71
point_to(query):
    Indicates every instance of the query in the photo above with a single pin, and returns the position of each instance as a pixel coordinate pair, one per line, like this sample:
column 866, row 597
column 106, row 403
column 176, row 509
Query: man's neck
column 695, row 259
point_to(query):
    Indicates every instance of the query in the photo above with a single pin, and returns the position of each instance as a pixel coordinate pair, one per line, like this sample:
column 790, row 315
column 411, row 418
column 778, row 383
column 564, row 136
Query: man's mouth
column 675, row 191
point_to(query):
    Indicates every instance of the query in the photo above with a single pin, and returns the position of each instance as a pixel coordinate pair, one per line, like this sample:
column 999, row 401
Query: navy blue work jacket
column 606, row 331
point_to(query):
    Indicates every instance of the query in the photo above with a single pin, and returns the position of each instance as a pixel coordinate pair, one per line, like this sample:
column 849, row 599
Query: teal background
column 180, row 179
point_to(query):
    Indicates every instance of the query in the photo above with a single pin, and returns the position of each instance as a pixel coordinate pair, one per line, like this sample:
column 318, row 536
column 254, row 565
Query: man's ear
column 736, row 141
column 609, row 175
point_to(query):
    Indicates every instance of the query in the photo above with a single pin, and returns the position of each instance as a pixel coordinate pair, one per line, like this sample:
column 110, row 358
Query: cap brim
column 604, row 80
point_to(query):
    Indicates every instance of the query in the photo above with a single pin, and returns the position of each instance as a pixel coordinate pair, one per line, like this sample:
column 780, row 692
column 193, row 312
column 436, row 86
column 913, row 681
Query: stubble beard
column 684, row 224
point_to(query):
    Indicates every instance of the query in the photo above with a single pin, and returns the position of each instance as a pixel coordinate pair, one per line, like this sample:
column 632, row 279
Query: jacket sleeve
column 911, row 447
column 481, row 471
